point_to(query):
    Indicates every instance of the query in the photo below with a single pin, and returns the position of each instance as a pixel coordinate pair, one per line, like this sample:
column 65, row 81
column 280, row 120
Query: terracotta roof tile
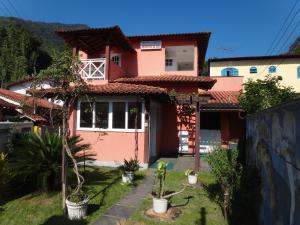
column 27, row 100
column 25, row 80
column 119, row 88
column 112, row 88
column 203, row 82
column 222, row 100
column 34, row 117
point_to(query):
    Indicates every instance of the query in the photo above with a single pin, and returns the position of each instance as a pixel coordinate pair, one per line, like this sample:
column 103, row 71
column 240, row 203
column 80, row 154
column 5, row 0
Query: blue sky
column 239, row 27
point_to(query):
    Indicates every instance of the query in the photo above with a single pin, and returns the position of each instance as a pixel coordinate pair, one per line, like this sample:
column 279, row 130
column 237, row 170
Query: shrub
column 4, row 173
column 227, row 171
column 39, row 157
column 263, row 94
column 131, row 166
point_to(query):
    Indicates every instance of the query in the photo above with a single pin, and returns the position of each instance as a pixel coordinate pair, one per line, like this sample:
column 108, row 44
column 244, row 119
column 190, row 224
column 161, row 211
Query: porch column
column 146, row 131
column 197, row 138
column 74, row 52
column 107, row 63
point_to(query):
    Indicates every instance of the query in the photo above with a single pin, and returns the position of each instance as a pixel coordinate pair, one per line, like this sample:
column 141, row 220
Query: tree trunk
column 226, row 202
column 64, row 162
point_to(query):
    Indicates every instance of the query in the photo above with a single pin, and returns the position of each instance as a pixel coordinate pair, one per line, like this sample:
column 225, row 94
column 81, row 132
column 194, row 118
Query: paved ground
column 126, row 206
column 182, row 163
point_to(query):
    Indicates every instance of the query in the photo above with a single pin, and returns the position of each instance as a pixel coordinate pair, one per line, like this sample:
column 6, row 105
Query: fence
column 273, row 146
column 8, row 128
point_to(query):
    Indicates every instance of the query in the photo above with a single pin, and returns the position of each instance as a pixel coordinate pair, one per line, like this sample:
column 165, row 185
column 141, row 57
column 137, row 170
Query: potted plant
column 160, row 201
column 128, row 169
column 192, row 176
column 77, row 205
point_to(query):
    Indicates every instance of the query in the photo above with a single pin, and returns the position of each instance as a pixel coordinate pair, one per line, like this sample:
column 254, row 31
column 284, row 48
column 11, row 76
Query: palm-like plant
column 39, row 156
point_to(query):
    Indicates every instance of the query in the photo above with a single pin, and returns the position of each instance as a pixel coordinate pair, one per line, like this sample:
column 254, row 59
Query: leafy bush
column 131, row 166
column 227, row 171
column 4, row 173
column 39, row 157
column 263, row 94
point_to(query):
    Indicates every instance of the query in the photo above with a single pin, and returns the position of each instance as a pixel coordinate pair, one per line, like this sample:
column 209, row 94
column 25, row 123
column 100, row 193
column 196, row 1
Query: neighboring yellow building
column 257, row 67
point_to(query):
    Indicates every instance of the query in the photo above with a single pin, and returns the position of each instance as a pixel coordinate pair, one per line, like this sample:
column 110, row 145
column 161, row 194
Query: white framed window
column 112, row 115
column 169, row 62
column 116, row 58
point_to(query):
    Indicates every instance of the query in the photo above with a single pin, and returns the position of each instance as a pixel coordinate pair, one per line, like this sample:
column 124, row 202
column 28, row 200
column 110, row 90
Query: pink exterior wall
column 152, row 62
column 114, row 146
column 228, row 83
column 110, row 146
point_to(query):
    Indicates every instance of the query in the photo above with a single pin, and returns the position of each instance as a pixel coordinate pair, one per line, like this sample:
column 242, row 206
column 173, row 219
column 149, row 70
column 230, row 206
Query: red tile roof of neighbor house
column 7, row 104
column 222, row 100
column 202, row 82
column 34, row 117
column 27, row 100
column 25, row 80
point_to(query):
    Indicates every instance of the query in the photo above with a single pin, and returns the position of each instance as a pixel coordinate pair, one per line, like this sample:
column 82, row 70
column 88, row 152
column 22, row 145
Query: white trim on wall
column 110, row 101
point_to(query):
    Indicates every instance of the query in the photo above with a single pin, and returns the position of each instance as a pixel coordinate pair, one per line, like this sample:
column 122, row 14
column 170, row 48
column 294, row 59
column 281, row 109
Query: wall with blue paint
column 273, row 146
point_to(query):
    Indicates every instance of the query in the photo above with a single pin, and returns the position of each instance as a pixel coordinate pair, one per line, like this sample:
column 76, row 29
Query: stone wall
column 273, row 146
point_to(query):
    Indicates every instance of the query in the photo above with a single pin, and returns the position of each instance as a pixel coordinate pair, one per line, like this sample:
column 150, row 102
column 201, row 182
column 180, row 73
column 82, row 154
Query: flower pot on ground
column 160, row 205
column 128, row 169
column 77, row 206
column 192, row 176
column 160, row 201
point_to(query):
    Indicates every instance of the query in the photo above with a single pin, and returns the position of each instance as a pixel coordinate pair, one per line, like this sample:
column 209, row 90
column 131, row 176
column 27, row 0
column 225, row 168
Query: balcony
column 93, row 69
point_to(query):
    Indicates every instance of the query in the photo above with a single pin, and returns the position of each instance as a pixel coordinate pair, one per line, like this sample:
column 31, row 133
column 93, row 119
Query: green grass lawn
column 103, row 186
column 196, row 206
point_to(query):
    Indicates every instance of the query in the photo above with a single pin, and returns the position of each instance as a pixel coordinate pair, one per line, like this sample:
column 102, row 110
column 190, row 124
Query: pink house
column 130, row 79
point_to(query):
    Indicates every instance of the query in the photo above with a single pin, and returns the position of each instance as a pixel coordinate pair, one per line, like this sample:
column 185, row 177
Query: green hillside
column 41, row 30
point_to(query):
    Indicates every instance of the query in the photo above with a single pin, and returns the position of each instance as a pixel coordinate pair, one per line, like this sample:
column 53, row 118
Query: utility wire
column 283, row 34
column 14, row 8
column 6, row 8
column 283, row 25
column 282, row 47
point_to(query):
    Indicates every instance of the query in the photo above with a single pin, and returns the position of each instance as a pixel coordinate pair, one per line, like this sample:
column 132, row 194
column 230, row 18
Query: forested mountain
column 25, row 46
column 295, row 47
column 41, row 30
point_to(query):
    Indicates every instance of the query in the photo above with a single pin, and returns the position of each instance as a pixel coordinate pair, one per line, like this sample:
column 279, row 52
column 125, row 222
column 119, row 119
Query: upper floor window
column 253, row 69
column 169, row 62
column 179, row 58
column 116, row 58
column 272, row 69
column 110, row 115
column 229, row 72
column 298, row 72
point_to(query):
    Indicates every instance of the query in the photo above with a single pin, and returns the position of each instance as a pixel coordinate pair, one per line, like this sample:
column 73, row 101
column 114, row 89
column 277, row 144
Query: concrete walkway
column 127, row 205
column 182, row 163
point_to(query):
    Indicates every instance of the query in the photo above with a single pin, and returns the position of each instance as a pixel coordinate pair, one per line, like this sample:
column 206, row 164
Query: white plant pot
column 127, row 177
column 77, row 211
column 160, row 205
column 192, row 179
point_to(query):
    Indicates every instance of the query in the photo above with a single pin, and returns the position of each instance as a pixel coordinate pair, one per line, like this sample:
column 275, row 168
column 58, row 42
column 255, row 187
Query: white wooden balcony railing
column 92, row 69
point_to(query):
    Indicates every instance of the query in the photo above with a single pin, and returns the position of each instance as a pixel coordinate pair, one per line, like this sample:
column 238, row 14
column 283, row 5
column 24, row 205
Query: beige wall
column 287, row 68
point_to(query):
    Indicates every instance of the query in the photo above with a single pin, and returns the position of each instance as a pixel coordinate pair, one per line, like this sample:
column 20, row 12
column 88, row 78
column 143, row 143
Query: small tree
column 227, row 171
column 63, row 75
column 263, row 94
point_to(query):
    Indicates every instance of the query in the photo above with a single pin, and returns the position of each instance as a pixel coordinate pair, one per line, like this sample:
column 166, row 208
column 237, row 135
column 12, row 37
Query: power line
column 283, row 25
column 278, row 42
column 283, row 34
column 14, row 8
column 6, row 8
